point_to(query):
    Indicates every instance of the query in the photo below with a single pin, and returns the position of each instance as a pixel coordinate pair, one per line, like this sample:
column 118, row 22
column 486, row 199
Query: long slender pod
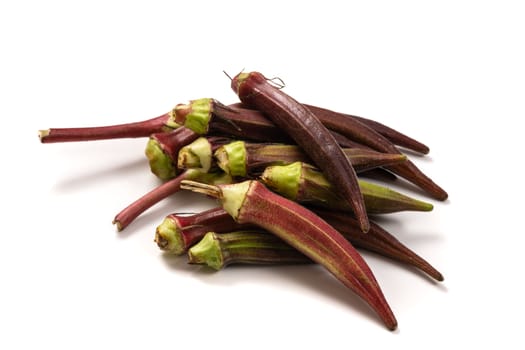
column 308, row 132
column 251, row 202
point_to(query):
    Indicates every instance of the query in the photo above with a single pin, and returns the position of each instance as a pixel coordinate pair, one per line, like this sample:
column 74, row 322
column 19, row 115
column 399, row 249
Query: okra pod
column 251, row 202
column 303, row 183
column 308, row 132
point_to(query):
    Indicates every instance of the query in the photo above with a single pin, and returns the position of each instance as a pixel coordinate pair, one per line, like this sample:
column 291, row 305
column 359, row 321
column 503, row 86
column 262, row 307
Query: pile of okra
column 289, row 180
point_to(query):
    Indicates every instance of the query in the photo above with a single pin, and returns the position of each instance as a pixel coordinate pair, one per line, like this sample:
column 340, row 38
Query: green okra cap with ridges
column 195, row 116
column 161, row 164
column 231, row 158
column 208, row 251
column 168, row 238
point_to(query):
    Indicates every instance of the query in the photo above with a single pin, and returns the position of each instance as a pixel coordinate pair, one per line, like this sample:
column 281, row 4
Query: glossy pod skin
column 308, row 132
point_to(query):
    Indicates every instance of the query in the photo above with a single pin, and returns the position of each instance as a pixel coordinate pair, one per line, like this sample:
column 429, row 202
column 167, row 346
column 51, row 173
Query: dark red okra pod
column 307, row 131
column 376, row 240
column 359, row 132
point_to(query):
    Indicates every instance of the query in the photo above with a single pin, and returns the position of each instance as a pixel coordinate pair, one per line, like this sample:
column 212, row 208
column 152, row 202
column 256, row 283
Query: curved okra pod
column 308, row 132
column 178, row 233
column 251, row 202
column 377, row 240
column 393, row 135
column 303, row 183
column 387, row 132
column 354, row 129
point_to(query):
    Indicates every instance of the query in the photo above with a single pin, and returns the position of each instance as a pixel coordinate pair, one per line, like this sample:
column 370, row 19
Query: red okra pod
column 251, row 202
column 307, row 131
column 207, row 116
column 377, row 240
column 144, row 128
column 390, row 134
column 359, row 132
column 394, row 136
column 178, row 233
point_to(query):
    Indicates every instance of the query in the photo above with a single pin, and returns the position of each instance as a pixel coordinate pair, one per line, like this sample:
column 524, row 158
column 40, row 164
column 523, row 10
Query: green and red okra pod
column 251, row 202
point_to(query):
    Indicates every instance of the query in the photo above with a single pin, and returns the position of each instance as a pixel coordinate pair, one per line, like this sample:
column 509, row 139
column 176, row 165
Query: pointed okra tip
column 207, row 252
column 168, row 237
column 160, row 163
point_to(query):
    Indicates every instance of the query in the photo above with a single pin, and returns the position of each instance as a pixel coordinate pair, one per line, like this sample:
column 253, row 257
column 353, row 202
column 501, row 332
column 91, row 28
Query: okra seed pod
column 251, row 202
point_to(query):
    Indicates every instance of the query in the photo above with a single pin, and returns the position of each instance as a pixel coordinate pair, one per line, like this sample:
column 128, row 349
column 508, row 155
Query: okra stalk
column 163, row 123
column 132, row 211
column 162, row 150
column 177, row 233
column 303, row 183
column 240, row 158
column 251, row 202
column 217, row 250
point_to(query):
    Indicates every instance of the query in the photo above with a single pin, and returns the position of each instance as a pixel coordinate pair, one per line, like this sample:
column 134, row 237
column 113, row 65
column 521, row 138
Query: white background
column 450, row 73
